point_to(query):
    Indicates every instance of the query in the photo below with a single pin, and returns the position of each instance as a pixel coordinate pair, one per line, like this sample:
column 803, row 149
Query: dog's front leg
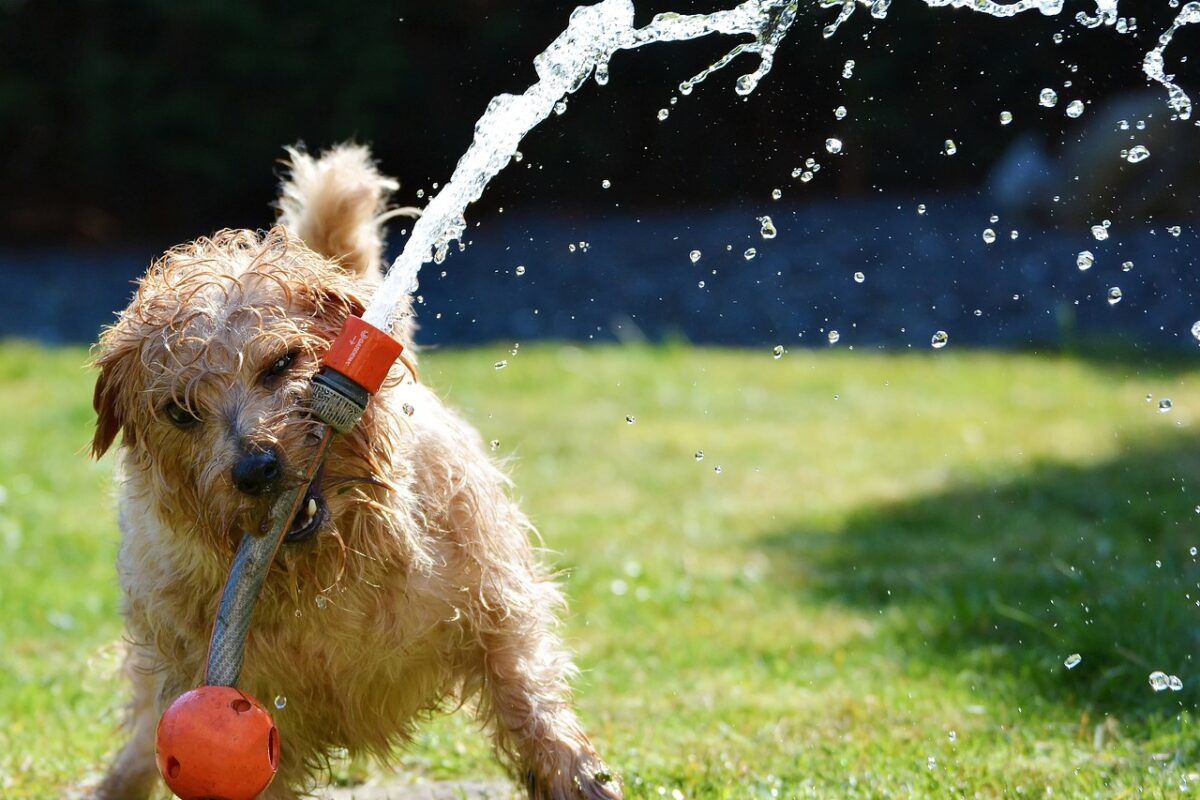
column 526, row 673
column 516, row 659
column 133, row 775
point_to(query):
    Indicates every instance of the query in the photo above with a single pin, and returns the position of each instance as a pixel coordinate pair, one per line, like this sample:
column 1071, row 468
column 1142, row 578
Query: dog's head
column 206, row 374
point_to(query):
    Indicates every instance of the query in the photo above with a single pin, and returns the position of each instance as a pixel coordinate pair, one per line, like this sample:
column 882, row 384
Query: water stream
column 596, row 32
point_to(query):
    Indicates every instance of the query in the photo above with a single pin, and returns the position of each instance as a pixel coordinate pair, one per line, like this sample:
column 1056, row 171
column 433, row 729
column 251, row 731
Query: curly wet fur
column 431, row 595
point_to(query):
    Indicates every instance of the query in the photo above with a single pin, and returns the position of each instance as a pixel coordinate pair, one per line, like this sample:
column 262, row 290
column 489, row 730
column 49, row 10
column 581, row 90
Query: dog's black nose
column 257, row 472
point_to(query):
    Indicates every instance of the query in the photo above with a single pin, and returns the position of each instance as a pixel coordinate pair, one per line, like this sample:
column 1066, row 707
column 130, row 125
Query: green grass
column 891, row 565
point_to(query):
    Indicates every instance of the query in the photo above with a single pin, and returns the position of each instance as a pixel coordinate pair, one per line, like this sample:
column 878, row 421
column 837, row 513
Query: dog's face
column 205, row 375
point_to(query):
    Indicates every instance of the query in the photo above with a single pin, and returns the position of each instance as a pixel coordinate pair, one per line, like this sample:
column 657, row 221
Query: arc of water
column 594, row 34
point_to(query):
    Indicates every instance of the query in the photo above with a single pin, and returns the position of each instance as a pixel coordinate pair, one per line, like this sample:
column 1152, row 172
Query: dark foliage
column 155, row 118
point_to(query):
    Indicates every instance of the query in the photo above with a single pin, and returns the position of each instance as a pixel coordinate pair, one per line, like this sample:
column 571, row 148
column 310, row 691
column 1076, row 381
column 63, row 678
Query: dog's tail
column 337, row 205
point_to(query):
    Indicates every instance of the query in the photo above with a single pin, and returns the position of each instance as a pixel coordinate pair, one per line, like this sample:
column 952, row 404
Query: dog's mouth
column 312, row 515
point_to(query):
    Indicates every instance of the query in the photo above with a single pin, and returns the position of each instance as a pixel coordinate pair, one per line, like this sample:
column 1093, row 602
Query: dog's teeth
column 311, row 508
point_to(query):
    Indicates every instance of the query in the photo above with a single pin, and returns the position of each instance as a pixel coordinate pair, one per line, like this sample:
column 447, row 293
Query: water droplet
column 699, row 455
column 776, row 194
column 921, row 208
column 848, row 69
column 560, row 107
column 1073, row 661
column 833, row 337
column 840, row 112
column 694, row 256
column 321, row 601
column 520, row 270
column 777, row 352
column 1058, row 38
column 1159, row 681
column 750, row 253
column 1174, row 684
column 602, row 73
column 700, row 284
column 939, row 340
column 606, row 184
column 833, row 145
column 630, row 419
column 299, row 613
column 1100, row 232
column 408, row 409
column 949, row 147
column 1165, row 405
column 1013, row 235
column 685, row 87
column 280, row 701
column 1196, row 330
column 954, row 736
column 859, row 277
column 767, row 228
column 663, row 114
column 1048, row 98
column 1074, row 109
column 931, row 762
column 1126, row 266
column 989, row 235
column 494, row 444
column 1084, row 260
column 1174, row 230
column 1114, row 295
column 420, row 193
column 745, row 84
column 501, row 364
column 1137, row 153
column 1006, row 117
column 718, row 469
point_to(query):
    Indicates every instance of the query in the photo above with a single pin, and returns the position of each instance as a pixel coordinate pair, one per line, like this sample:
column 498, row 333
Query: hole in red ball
column 172, row 767
column 241, row 705
column 273, row 748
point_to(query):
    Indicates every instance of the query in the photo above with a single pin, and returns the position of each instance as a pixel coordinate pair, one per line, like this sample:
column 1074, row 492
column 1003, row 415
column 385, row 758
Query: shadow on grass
column 1004, row 581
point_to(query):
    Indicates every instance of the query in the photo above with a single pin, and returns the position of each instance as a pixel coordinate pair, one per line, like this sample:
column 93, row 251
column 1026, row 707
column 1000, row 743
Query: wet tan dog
column 407, row 585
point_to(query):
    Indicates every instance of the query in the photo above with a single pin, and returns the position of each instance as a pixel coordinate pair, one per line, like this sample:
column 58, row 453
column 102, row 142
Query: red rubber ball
column 217, row 743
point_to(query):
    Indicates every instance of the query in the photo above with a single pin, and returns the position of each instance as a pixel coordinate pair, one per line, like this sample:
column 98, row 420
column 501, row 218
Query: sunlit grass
column 891, row 565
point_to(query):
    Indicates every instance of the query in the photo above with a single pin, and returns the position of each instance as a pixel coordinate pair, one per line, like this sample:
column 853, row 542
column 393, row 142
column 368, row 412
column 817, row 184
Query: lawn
column 866, row 587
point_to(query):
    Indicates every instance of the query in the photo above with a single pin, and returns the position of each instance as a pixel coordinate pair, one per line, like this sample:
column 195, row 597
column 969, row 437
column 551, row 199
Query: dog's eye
column 281, row 365
column 180, row 417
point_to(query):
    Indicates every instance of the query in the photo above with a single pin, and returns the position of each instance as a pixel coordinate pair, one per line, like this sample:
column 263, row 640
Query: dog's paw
column 595, row 781
column 588, row 778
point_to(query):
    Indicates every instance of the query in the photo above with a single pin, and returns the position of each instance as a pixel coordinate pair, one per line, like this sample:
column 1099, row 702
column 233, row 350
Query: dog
column 408, row 583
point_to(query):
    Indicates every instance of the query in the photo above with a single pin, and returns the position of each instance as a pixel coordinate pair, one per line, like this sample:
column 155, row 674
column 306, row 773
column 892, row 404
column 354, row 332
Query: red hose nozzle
column 363, row 353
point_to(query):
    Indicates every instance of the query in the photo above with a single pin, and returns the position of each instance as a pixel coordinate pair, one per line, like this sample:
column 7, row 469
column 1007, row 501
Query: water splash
column 594, row 33
column 1153, row 63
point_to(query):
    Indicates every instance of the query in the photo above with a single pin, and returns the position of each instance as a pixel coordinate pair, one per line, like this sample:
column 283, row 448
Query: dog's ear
column 107, row 397
column 109, row 419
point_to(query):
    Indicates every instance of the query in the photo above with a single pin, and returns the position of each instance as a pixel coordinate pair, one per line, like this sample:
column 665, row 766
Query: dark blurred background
column 127, row 127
